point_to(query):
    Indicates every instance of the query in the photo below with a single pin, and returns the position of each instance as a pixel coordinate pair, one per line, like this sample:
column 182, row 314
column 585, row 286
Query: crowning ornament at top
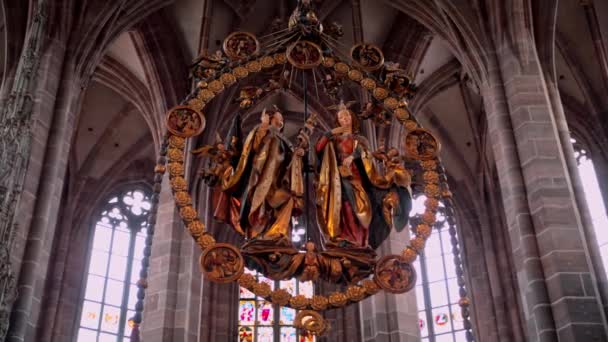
column 259, row 180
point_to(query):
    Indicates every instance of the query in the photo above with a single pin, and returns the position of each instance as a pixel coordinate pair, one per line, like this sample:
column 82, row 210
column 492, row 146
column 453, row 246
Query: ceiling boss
column 359, row 190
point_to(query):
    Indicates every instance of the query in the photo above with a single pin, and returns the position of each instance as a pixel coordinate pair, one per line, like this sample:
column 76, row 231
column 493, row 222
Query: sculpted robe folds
column 259, row 195
column 351, row 200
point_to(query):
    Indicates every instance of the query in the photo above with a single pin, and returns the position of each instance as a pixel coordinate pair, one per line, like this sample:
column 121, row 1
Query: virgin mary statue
column 351, row 194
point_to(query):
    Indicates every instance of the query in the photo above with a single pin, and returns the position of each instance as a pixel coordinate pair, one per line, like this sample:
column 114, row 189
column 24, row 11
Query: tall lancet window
column 262, row 321
column 437, row 290
column 593, row 197
column 117, row 247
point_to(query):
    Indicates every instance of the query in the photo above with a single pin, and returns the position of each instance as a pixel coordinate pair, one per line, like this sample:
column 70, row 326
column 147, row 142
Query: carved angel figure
column 262, row 188
column 350, row 189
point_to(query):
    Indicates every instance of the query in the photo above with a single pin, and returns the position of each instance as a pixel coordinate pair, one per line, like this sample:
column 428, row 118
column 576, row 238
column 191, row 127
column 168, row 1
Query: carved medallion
column 240, row 45
column 420, row 144
column 185, row 121
column 304, row 54
column 222, row 263
column 395, row 275
column 368, row 57
column 311, row 321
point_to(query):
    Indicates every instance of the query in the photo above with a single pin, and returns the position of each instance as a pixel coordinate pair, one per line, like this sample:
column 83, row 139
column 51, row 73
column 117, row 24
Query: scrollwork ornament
column 177, row 142
column 311, row 321
column 222, row 263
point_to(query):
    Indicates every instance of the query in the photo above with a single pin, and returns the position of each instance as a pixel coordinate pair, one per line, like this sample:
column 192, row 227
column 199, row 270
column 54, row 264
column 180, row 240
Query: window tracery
column 262, row 321
column 110, row 294
column 437, row 290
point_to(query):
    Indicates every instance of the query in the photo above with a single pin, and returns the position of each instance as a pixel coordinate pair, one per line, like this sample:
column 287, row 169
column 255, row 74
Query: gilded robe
column 264, row 189
column 357, row 204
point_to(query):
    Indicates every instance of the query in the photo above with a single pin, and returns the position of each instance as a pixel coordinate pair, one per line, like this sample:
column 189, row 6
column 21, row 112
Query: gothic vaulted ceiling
column 121, row 115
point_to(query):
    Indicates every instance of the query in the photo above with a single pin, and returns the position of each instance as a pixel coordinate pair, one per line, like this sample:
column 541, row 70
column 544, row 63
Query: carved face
column 277, row 120
column 345, row 119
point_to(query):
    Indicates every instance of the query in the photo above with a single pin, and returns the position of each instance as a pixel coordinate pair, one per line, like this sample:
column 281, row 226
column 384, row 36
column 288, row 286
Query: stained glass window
column 437, row 291
column 114, row 263
column 593, row 197
column 261, row 321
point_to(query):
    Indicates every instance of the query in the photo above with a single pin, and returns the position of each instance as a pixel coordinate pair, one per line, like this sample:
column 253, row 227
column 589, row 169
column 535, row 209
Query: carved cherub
column 248, row 95
column 311, row 263
column 219, row 157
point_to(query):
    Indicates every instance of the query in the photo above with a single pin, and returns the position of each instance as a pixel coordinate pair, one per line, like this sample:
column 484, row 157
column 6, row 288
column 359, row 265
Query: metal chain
column 142, row 283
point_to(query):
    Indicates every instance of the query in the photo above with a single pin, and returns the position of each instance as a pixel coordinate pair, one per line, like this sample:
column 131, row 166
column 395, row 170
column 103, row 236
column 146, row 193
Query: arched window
column 113, row 270
column 437, row 290
column 593, row 197
column 261, row 321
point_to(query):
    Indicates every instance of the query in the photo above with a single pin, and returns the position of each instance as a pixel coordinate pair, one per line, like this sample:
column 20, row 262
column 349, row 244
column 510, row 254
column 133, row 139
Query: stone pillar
column 162, row 295
column 390, row 317
column 556, row 278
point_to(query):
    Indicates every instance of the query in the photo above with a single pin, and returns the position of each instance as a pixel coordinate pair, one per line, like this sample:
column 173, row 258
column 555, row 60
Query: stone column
column 390, row 317
column 162, row 295
column 556, row 279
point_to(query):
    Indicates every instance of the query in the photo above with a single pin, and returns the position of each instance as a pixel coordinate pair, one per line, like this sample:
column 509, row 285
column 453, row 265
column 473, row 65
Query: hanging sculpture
column 259, row 182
